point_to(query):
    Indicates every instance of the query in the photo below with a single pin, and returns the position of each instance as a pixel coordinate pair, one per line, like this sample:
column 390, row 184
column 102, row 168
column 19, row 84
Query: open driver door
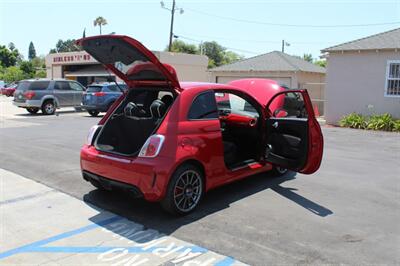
column 293, row 136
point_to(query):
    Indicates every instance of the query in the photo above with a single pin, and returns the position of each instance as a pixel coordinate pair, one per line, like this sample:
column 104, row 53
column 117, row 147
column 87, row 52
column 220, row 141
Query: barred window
column 393, row 78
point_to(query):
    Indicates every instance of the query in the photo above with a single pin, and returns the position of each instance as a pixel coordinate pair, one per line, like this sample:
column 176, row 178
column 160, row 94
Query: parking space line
column 101, row 249
column 58, row 237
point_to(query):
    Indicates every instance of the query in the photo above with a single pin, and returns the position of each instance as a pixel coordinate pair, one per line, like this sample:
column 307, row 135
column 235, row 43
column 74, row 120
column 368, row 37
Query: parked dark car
column 100, row 96
column 47, row 95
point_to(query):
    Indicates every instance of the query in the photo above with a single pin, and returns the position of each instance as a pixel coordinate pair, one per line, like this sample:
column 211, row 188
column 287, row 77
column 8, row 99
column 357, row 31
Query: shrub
column 381, row 122
column 353, row 120
column 396, row 126
column 375, row 122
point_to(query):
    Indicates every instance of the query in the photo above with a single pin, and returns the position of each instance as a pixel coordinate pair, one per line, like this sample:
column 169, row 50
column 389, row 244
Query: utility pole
column 171, row 30
column 172, row 26
column 284, row 44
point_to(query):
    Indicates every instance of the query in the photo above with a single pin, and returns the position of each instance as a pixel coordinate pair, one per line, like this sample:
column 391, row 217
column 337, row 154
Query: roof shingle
column 273, row 61
column 381, row 41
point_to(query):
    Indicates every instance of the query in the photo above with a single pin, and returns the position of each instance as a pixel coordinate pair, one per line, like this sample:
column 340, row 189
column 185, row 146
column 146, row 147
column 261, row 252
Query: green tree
column 100, row 21
column 38, row 62
column 32, row 51
column 12, row 73
column 65, row 46
column 321, row 63
column 231, row 57
column 179, row 46
column 8, row 57
column 28, row 69
column 40, row 74
column 308, row 57
column 215, row 53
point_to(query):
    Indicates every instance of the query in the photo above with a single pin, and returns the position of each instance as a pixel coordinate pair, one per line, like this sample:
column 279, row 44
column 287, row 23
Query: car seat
column 168, row 100
column 157, row 109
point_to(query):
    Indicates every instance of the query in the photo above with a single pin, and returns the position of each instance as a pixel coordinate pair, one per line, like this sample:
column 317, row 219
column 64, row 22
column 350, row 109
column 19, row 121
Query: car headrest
column 157, row 109
column 131, row 110
column 167, row 99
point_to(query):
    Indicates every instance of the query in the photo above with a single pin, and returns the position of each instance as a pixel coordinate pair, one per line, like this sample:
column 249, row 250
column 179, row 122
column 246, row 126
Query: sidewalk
column 42, row 226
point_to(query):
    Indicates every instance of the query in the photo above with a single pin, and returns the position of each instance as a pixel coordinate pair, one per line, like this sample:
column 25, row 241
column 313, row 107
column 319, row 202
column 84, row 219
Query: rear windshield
column 94, row 88
column 125, row 57
column 33, row 85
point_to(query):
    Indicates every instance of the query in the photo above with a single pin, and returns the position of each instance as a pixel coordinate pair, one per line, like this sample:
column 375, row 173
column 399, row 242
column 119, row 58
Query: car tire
column 93, row 113
column 32, row 110
column 279, row 171
column 48, row 107
column 185, row 190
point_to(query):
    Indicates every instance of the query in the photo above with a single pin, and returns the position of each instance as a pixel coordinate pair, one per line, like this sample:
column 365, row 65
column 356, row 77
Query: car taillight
column 99, row 94
column 92, row 132
column 29, row 94
column 152, row 146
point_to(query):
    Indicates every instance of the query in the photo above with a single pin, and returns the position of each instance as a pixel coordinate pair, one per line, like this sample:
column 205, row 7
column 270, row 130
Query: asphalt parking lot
column 346, row 213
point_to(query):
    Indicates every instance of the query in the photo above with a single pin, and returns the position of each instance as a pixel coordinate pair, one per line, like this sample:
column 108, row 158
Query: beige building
column 84, row 68
column 287, row 70
column 363, row 76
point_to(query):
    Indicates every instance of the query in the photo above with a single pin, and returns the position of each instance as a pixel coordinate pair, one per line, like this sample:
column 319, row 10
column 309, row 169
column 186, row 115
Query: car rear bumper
column 110, row 184
column 28, row 103
column 145, row 176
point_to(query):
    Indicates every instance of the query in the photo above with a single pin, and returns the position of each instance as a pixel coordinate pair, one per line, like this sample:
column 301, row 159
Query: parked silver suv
column 47, row 95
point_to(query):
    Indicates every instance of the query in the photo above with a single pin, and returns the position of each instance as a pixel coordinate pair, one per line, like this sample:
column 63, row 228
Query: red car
column 172, row 141
column 9, row 90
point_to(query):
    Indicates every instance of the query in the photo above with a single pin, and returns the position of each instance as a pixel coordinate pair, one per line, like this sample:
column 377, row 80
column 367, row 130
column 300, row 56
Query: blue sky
column 46, row 21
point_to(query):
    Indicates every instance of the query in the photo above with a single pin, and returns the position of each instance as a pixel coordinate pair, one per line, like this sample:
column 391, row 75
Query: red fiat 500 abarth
column 172, row 141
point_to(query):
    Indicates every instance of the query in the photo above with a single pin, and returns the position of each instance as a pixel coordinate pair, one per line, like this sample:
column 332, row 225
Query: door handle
column 275, row 125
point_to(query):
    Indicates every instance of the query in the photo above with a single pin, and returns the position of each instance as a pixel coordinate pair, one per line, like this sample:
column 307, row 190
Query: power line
column 292, row 25
column 230, row 48
column 255, row 41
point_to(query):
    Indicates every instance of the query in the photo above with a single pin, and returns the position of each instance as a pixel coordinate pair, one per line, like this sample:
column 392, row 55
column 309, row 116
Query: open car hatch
column 130, row 60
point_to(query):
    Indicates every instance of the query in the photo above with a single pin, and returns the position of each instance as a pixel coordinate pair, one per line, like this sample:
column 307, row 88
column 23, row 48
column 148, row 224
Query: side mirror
column 280, row 113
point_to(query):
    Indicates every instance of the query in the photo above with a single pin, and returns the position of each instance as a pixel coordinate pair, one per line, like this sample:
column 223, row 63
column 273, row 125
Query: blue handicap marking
column 32, row 246
column 40, row 246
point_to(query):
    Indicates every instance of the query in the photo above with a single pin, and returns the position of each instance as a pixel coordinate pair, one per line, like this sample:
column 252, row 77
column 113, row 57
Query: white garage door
column 281, row 80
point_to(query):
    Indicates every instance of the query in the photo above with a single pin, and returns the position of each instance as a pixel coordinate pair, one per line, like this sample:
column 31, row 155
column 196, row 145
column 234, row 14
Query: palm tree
column 100, row 21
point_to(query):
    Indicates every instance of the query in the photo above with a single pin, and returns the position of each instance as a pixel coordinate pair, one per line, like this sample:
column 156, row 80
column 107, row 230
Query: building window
column 392, row 88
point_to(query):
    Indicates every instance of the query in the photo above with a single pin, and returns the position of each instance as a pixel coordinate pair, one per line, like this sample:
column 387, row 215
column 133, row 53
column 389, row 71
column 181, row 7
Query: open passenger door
column 293, row 136
column 130, row 60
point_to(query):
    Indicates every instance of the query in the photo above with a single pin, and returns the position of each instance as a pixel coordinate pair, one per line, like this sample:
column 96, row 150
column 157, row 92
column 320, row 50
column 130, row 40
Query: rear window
column 33, row 85
column 94, row 89
column 125, row 57
column 113, row 88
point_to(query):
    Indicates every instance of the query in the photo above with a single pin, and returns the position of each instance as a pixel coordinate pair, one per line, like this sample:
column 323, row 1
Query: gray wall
column 356, row 83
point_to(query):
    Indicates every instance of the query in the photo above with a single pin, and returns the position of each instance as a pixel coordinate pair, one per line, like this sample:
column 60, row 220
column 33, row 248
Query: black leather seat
column 167, row 99
column 157, row 109
column 131, row 110
column 230, row 152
